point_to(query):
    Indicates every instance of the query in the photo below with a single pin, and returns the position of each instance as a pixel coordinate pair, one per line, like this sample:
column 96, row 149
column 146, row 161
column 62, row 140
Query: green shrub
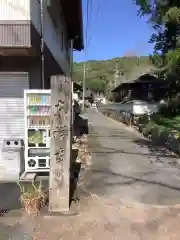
column 148, row 129
column 156, row 117
column 144, row 119
column 171, row 109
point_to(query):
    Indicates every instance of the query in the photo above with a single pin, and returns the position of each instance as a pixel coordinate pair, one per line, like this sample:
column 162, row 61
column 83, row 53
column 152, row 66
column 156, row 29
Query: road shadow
column 118, row 136
column 80, row 126
column 74, row 176
column 152, row 191
column 149, row 186
column 156, row 149
column 10, row 196
column 129, row 180
column 75, row 173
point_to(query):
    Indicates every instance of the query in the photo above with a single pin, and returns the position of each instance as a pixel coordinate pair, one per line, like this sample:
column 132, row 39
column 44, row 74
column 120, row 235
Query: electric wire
column 88, row 39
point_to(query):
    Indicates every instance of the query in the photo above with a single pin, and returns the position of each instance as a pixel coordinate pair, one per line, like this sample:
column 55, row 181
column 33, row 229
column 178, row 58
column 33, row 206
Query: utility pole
column 42, row 43
column 84, row 85
column 116, row 75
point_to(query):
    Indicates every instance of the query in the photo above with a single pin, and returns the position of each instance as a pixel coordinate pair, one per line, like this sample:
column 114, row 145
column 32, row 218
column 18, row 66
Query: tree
column 101, row 73
column 164, row 15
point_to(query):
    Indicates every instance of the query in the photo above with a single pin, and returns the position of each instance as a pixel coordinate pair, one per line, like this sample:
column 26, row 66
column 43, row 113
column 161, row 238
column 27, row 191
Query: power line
column 96, row 14
column 87, row 26
column 89, row 14
column 85, row 51
column 90, row 11
column 88, row 38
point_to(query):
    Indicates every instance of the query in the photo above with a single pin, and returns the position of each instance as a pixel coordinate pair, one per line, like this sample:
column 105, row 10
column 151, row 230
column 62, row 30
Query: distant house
column 77, row 90
column 77, row 87
column 146, row 87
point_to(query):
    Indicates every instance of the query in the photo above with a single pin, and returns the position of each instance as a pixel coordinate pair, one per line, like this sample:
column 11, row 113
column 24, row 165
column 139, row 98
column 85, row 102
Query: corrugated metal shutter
column 12, row 87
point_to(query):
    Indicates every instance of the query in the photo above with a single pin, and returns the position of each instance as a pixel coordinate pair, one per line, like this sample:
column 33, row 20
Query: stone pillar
column 61, row 143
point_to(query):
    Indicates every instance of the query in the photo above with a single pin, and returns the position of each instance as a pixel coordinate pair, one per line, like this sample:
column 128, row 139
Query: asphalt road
column 127, row 167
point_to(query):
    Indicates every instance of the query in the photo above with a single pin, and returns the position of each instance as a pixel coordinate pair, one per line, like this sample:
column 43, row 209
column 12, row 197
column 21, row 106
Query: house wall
column 142, row 91
column 54, row 37
column 14, row 9
column 16, row 17
column 32, row 65
column 23, row 64
column 15, row 30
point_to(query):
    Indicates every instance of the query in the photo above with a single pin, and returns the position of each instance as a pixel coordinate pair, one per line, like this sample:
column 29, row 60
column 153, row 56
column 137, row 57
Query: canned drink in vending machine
column 43, row 99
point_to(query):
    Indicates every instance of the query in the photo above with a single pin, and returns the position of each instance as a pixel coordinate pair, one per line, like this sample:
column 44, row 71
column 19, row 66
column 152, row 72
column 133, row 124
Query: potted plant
column 32, row 198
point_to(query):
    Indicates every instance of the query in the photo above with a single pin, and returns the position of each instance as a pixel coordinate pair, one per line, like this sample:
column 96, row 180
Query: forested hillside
column 100, row 74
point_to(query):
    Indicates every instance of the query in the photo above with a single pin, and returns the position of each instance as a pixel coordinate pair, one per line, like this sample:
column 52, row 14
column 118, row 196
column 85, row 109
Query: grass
column 30, row 190
column 172, row 125
column 28, row 187
column 160, row 124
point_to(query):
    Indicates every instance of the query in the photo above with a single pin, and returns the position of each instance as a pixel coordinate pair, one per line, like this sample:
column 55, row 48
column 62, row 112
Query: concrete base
column 50, row 214
column 30, row 177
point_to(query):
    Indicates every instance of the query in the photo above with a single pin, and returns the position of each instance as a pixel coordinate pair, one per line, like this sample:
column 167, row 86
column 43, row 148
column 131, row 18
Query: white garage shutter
column 12, row 87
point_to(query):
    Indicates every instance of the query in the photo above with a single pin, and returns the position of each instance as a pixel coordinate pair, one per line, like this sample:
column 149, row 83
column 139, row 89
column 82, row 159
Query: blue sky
column 115, row 31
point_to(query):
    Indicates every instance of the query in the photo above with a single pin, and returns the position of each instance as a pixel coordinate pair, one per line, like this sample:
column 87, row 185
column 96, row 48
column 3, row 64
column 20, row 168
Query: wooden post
column 60, row 148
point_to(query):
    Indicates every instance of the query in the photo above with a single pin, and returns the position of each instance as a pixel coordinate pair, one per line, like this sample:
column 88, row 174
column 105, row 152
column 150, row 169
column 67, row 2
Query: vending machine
column 37, row 104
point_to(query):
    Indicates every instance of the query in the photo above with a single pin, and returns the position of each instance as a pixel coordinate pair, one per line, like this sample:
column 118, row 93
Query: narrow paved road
column 127, row 167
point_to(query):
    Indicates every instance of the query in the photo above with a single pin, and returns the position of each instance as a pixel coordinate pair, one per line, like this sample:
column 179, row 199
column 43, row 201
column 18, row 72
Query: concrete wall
column 134, row 108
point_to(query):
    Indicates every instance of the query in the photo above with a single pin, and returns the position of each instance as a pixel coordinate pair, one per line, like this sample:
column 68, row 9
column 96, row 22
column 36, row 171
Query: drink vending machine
column 37, row 104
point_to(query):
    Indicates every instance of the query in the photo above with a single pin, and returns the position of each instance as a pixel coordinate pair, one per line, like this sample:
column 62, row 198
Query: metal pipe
column 71, row 75
column 71, row 57
column 42, row 43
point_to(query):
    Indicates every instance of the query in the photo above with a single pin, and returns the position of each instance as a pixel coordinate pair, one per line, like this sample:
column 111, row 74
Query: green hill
column 100, row 74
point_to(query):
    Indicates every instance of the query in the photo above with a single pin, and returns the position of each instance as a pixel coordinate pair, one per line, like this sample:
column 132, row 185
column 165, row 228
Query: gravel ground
column 100, row 218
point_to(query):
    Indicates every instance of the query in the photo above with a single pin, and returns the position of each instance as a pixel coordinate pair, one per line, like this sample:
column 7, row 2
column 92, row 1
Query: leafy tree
column 164, row 15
